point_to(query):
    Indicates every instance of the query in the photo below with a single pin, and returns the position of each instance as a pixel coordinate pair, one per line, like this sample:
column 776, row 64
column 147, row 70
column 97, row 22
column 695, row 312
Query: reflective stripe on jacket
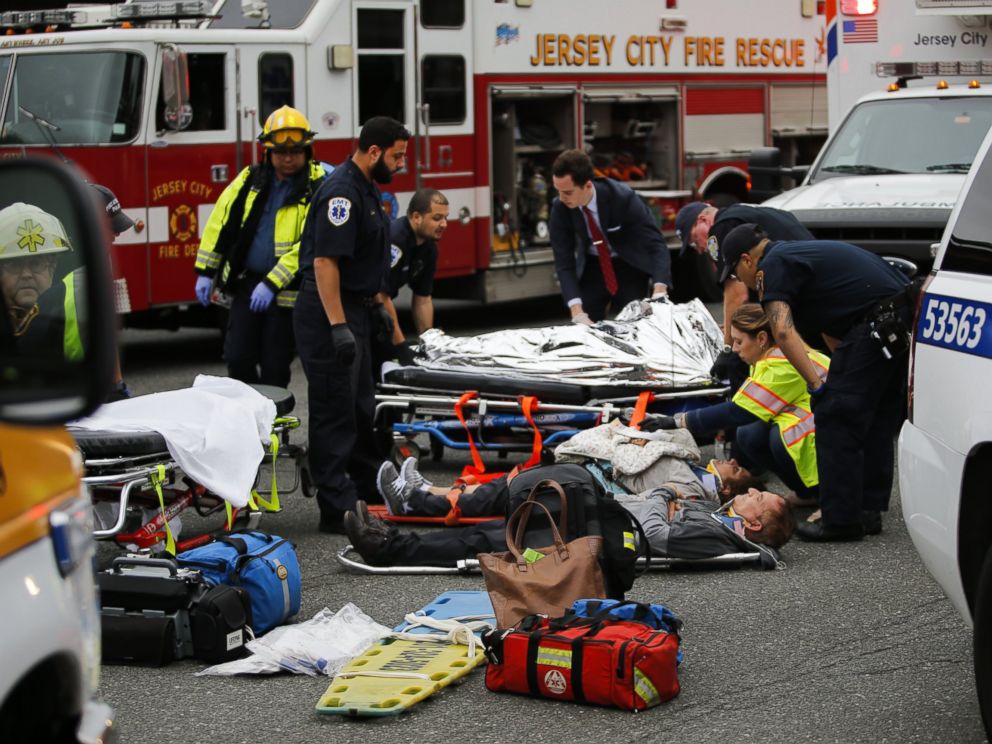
column 286, row 244
column 72, row 339
column 776, row 392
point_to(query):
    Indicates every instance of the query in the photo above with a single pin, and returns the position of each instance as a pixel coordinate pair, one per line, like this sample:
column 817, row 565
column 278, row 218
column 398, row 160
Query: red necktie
column 603, row 251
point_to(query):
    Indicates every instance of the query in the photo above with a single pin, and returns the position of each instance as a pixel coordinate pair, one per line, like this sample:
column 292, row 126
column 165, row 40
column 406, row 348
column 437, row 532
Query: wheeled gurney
column 137, row 485
column 575, row 377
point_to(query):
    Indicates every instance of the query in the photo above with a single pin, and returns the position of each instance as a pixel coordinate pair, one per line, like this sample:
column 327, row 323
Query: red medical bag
column 619, row 663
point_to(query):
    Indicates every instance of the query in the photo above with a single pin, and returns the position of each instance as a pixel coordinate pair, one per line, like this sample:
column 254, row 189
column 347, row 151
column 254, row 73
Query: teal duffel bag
column 264, row 565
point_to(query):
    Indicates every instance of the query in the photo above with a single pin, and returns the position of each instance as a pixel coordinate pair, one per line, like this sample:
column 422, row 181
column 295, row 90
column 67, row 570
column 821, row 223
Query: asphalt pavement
column 847, row 643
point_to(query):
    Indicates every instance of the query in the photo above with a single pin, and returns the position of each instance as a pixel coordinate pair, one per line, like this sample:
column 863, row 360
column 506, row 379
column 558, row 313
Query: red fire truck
column 162, row 102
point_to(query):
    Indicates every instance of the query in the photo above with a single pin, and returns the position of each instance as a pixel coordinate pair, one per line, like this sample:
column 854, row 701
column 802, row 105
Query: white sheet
column 214, row 430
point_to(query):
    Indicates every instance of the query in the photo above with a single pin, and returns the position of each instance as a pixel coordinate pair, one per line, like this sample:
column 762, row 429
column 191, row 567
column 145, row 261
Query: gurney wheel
column 405, row 449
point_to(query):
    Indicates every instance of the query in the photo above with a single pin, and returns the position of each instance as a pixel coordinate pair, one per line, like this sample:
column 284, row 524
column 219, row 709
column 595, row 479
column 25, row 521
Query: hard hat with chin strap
column 27, row 230
column 286, row 129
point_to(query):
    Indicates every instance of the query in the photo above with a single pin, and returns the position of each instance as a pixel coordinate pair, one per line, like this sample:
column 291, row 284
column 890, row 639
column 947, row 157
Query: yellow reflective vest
column 776, row 392
column 288, row 230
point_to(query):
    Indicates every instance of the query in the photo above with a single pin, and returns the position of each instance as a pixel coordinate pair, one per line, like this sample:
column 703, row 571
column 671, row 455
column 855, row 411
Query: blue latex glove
column 203, row 285
column 261, row 298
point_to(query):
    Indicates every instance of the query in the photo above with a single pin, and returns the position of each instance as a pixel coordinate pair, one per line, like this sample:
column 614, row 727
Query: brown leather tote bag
column 549, row 585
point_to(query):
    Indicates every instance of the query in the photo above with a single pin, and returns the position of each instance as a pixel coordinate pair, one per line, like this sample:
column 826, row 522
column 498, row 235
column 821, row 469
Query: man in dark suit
column 607, row 246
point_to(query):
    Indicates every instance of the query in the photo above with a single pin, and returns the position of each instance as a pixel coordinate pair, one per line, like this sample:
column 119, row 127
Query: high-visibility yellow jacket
column 288, row 229
column 777, row 393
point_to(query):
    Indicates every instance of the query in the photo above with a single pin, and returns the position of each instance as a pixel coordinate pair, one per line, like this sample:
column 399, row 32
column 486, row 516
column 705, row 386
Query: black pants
column 443, row 547
column 487, row 500
column 761, row 443
column 343, row 456
column 632, row 284
column 858, row 414
column 258, row 347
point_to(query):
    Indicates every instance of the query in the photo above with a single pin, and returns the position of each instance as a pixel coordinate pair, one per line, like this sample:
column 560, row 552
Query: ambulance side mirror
column 175, row 88
column 57, row 335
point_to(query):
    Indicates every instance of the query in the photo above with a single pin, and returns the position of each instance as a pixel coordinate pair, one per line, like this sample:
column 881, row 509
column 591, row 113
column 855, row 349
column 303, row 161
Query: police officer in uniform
column 863, row 307
column 702, row 227
column 413, row 261
column 344, row 261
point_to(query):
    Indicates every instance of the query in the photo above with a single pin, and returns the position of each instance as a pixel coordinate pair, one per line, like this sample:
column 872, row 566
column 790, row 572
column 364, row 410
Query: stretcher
column 473, row 392
column 431, row 649
column 349, row 558
column 138, row 488
column 487, row 419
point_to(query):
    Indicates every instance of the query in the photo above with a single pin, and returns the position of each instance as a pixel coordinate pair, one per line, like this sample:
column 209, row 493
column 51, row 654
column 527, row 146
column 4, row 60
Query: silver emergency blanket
column 652, row 344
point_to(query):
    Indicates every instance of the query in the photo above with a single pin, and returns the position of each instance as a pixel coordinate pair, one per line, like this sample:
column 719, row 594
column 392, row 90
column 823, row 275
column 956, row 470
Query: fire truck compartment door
column 798, row 110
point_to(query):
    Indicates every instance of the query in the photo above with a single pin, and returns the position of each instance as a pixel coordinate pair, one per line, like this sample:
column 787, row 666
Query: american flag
column 863, row 30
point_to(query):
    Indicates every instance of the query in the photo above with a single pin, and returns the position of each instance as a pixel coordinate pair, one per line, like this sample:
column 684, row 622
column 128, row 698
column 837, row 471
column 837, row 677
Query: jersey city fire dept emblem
column 183, row 223
column 338, row 210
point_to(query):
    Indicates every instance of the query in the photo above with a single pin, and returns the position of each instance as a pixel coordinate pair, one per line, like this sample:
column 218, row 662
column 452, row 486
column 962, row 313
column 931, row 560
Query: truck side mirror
column 175, row 88
column 57, row 336
column 765, row 167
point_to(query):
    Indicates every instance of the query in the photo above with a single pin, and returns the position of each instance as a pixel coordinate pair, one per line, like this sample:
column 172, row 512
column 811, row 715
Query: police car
column 945, row 447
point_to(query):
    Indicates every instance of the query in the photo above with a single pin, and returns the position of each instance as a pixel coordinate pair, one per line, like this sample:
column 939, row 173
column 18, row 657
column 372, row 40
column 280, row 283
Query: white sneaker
column 392, row 488
column 411, row 476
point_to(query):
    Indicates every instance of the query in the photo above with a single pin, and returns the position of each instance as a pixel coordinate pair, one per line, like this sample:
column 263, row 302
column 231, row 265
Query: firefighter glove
column 261, row 298
column 203, row 285
column 344, row 343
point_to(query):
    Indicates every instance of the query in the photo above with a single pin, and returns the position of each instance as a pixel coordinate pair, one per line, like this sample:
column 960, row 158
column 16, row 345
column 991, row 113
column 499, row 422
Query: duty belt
column 350, row 298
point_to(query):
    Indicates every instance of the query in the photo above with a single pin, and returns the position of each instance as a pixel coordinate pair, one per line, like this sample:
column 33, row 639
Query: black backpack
column 590, row 511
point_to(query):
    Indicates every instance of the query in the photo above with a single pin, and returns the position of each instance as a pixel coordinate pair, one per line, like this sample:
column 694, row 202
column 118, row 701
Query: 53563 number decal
column 955, row 324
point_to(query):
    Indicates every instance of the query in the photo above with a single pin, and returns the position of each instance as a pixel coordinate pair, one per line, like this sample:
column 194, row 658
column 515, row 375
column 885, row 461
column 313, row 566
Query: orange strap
column 453, row 517
column 478, row 467
column 476, row 472
column 641, row 408
column 528, row 403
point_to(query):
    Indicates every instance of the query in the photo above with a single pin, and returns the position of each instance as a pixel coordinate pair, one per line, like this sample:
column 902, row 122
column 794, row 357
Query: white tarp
column 214, row 430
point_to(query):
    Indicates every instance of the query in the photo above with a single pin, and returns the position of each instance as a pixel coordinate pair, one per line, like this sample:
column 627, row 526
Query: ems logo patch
column 338, row 210
column 713, row 248
column 395, row 254
column 555, row 682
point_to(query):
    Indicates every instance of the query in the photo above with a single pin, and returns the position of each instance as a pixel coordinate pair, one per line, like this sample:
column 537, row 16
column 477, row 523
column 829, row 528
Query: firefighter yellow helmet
column 286, row 128
column 27, row 231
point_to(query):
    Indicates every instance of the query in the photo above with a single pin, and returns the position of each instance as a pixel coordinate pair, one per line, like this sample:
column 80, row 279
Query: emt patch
column 338, row 210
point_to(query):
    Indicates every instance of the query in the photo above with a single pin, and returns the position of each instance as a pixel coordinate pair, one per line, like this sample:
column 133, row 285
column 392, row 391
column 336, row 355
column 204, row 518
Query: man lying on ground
column 675, row 527
column 617, row 457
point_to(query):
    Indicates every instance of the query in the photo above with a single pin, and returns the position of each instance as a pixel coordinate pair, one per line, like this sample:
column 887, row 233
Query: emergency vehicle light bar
column 163, row 10
column 929, row 69
column 29, row 18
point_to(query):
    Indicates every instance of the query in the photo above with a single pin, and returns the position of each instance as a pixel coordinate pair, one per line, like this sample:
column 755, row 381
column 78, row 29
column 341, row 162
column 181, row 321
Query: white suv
column 945, row 447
